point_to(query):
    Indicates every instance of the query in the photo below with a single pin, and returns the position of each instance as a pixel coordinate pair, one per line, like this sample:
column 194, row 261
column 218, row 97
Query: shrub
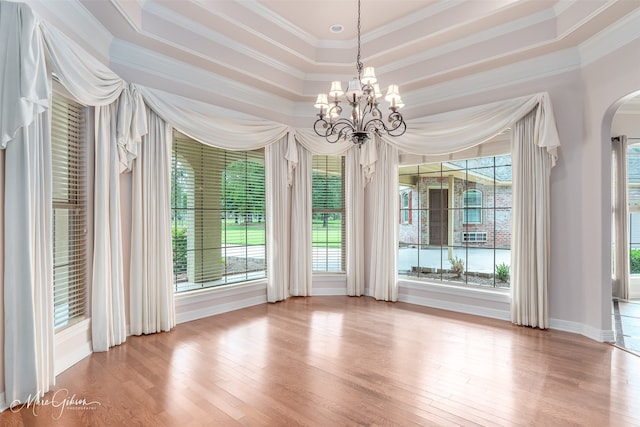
column 634, row 261
column 457, row 266
column 502, row 272
column 179, row 235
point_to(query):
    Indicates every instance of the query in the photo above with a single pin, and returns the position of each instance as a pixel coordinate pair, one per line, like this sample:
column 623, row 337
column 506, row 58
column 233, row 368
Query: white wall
column 608, row 81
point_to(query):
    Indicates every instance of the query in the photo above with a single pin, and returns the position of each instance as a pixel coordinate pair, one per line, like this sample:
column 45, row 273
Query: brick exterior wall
column 496, row 223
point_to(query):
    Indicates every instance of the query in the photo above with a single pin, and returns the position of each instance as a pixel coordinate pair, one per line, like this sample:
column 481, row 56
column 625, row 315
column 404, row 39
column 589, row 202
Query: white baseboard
column 3, row 404
column 600, row 335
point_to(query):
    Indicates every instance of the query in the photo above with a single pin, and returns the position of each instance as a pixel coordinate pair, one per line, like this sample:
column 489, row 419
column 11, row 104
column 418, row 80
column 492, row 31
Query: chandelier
column 366, row 118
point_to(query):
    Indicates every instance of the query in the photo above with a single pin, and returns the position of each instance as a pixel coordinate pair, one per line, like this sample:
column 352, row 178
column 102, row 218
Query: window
column 218, row 215
column 462, row 222
column 69, row 210
column 405, row 207
column 472, row 204
column 633, row 199
column 328, row 214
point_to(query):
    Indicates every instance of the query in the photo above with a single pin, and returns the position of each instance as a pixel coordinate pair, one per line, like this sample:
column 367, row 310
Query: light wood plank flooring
column 341, row 361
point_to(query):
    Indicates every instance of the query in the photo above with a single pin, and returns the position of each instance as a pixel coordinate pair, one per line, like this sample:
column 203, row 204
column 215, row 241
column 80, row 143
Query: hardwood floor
column 341, row 361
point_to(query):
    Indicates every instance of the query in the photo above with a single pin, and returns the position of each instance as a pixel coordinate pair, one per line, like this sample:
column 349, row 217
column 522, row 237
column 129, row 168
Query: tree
column 244, row 190
column 327, row 195
column 181, row 181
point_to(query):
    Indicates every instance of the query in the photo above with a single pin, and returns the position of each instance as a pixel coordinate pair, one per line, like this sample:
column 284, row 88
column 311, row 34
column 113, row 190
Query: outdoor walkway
column 626, row 321
column 477, row 260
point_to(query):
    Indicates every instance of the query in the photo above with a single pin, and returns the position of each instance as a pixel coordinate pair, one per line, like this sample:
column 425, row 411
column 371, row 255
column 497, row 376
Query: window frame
column 467, row 208
column 405, row 208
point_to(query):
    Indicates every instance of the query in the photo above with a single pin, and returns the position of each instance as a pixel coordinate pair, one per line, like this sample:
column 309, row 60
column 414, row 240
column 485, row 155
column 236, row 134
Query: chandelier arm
column 334, row 131
column 396, row 127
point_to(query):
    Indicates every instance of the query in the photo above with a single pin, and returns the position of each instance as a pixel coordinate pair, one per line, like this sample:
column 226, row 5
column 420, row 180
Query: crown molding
column 399, row 25
column 131, row 11
column 267, row 14
column 77, row 23
column 611, row 38
column 135, row 58
column 528, row 70
column 221, row 39
column 518, row 73
column 471, row 40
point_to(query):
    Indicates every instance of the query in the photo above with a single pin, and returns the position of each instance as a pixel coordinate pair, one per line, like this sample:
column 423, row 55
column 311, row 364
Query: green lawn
column 254, row 233
column 330, row 236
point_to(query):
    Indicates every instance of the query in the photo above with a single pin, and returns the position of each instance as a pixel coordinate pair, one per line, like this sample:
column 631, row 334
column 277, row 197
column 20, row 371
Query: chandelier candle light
column 362, row 94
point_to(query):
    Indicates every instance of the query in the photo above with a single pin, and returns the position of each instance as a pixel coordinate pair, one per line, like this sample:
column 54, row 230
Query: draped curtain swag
column 121, row 121
column 620, row 217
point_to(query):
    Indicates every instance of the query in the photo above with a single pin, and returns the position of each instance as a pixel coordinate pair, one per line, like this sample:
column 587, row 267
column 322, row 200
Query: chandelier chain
column 359, row 65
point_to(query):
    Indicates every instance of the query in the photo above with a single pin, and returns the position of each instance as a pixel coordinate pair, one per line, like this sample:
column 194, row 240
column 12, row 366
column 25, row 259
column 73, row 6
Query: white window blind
column 69, row 210
column 328, row 214
column 218, row 215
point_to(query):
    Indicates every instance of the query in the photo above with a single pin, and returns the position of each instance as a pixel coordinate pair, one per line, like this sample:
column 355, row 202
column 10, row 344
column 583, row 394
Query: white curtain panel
column 151, row 303
column 278, row 200
column 620, row 217
column 28, row 247
column 28, row 279
column 108, row 323
column 301, row 257
column 354, row 195
column 383, row 232
column 531, row 226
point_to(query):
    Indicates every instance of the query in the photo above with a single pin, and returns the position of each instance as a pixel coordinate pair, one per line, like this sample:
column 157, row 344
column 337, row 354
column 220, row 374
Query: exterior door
column 438, row 216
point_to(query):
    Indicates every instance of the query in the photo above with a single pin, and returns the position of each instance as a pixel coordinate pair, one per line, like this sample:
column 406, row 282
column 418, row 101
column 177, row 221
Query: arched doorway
column 625, row 227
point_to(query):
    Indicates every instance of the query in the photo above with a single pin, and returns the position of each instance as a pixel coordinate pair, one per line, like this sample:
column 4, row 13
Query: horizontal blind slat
column 69, row 210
